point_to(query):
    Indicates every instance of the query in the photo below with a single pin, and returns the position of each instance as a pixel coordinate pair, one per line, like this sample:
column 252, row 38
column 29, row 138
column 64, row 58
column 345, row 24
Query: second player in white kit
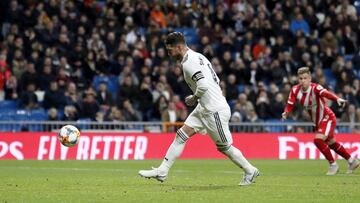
column 211, row 115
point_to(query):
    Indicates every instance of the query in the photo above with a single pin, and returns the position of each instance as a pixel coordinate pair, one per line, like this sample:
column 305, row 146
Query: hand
column 191, row 100
column 284, row 116
column 341, row 102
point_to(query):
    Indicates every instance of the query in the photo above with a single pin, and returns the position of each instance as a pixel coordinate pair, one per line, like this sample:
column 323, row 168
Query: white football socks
column 174, row 151
column 237, row 157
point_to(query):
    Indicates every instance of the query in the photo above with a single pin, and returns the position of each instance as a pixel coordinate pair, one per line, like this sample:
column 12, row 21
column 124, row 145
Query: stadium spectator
column 276, row 106
column 115, row 115
column 70, row 113
column 5, row 75
column 355, row 89
column 11, row 89
column 349, row 40
column 53, row 114
column 130, row 114
column 238, row 114
column 104, row 97
column 349, row 96
column 78, row 78
column 28, row 98
column 160, row 106
column 54, row 97
column 328, row 41
column 89, row 106
column 170, row 114
column 253, row 118
column 179, row 104
column 46, row 75
column 29, row 77
column 158, row 16
column 299, row 24
column 346, row 8
column 128, row 90
column 262, row 105
column 145, row 101
column 277, row 73
column 231, row 88
column 352, row 116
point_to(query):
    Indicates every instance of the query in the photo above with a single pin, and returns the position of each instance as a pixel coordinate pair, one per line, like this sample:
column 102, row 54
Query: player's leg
column 218, row 128
column 192, row 124
column 353, row 163
column 324, row 128
column 177, row 147
column 174, row 151
column 320, row 143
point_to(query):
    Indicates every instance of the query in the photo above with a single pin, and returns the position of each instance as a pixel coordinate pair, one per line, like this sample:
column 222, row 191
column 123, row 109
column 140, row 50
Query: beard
column 178, row 57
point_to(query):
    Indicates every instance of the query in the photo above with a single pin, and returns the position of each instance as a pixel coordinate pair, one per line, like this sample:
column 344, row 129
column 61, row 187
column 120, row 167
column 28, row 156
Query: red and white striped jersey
column 313, row 99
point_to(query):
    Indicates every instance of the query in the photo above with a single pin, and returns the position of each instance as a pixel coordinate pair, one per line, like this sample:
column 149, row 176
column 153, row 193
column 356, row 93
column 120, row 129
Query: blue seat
column 348, row 57
column 6, row 117
column 111, row 82
column 330, row 78
column 232, row 104
column 8, row 104
column 344, row 130
column 38, row 115
column 5, row 128
column 328, row 74
column 142, row 31
column 241, row 88
column 83, row 123
column 35, row 128
column 274, row 128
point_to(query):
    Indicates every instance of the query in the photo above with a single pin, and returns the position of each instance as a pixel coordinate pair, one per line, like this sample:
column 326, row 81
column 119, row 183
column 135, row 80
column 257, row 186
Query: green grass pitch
column 189, row 181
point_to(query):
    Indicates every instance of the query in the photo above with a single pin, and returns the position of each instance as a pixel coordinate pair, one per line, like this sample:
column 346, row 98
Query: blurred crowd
column 51, row 51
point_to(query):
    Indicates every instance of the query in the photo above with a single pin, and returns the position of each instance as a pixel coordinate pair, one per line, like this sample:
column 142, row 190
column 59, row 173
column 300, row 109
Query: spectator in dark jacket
column 28, row 98
column 89, row 106
column 104, row 97
column 54, row 97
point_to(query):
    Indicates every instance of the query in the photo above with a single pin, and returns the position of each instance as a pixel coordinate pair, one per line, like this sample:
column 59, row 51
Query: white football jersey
column 197, row 67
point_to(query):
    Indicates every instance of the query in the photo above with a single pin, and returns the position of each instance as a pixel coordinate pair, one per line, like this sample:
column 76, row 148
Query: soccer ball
column 69, row 135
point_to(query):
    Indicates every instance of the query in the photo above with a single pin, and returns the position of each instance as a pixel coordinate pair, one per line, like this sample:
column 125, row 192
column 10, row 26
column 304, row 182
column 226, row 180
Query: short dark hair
column 175, row 38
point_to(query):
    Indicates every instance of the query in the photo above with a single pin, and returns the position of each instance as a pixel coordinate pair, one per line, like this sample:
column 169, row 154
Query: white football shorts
column 216, row 124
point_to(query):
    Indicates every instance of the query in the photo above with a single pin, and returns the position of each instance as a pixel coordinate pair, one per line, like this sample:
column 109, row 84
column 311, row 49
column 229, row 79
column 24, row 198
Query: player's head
column 175, row 43
column 304, row 76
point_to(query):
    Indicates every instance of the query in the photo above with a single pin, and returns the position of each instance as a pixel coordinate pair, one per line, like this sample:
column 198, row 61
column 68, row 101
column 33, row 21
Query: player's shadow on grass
column 197, row 187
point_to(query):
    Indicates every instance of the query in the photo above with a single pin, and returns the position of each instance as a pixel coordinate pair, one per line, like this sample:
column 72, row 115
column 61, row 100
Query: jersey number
column 211, row 70
column 213, row 73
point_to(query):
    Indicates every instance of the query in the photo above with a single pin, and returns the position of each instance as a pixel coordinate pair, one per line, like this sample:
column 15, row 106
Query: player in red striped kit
column 312, row 96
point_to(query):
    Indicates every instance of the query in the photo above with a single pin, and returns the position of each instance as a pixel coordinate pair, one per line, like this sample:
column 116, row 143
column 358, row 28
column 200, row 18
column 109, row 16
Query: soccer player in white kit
column 212, row 113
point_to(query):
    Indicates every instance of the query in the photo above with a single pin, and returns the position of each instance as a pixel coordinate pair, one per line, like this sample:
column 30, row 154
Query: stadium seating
column 272, row 127
column 111, row 82
column 330, row 78
column 7, row 104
